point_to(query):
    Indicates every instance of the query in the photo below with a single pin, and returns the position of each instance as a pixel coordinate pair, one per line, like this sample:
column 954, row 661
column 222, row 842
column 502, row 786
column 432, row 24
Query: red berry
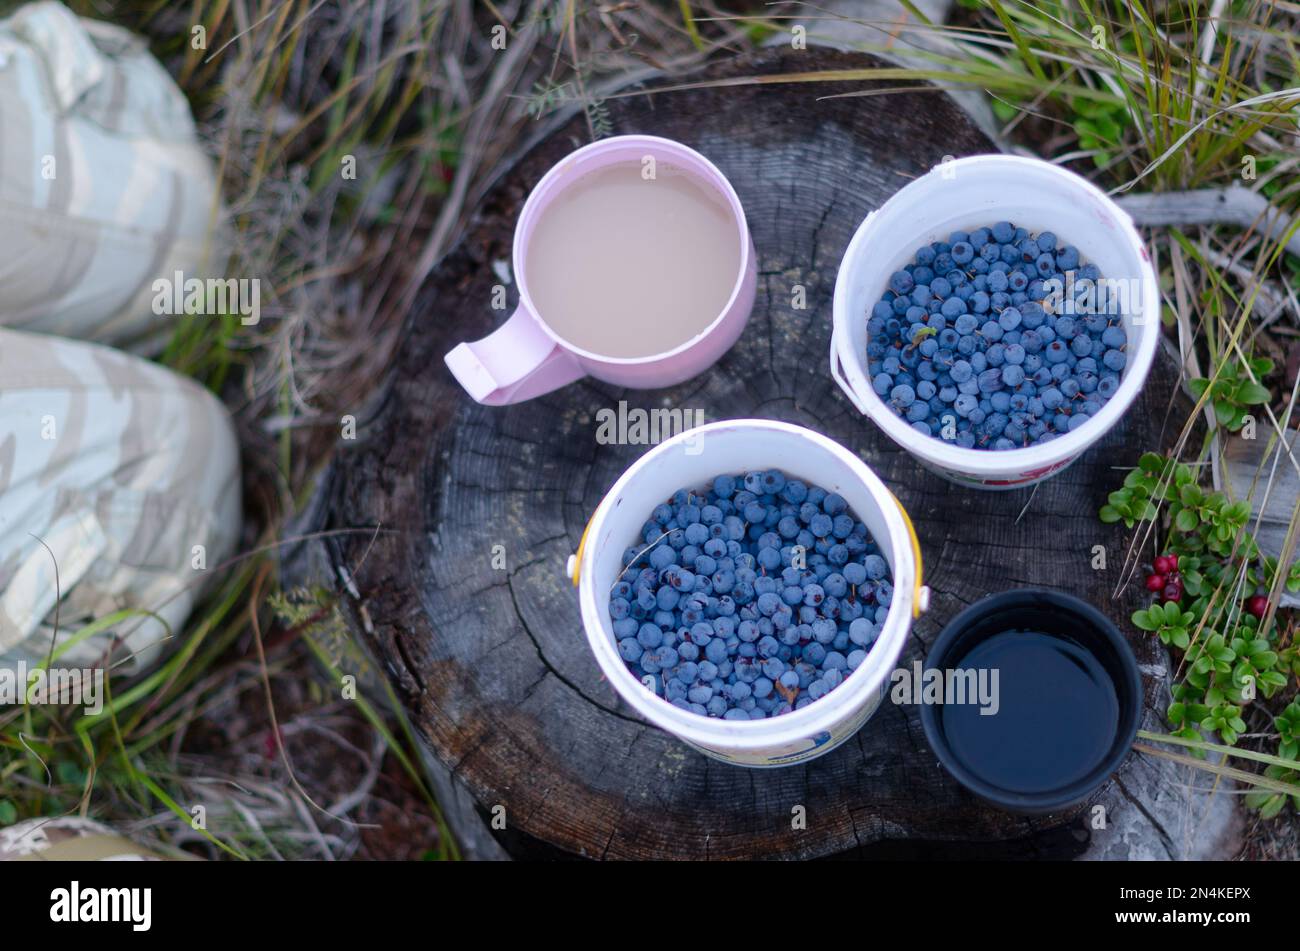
column 1257, row 605
column 1173, row 591
column 1155, row 582
column 1166, row 564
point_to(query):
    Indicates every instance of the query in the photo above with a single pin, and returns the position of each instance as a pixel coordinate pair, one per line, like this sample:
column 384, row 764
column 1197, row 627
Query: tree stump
column 492, row 664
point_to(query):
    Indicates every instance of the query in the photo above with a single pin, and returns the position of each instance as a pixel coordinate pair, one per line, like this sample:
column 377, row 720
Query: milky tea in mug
column 633, row 259
column 634, row 266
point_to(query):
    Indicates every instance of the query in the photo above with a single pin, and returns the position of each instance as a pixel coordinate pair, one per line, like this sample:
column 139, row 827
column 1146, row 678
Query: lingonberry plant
column 1210, row 602
column 1234, row 390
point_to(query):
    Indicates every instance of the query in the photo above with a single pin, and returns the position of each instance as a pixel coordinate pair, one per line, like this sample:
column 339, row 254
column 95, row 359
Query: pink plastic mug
column 524, row 357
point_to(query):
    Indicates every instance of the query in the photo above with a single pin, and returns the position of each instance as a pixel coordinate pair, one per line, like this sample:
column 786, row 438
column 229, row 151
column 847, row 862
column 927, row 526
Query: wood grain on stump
column 492, row 664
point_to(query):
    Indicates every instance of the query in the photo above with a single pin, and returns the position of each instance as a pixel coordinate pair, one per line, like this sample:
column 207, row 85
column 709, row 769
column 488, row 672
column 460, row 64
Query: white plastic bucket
column 692, row 459
column 965, row 194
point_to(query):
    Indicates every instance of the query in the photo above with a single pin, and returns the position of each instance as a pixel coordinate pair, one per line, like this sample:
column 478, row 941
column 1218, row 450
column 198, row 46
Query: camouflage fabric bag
column 103, row 185
column 68, row 838
column 119, row 481
column 120, row 476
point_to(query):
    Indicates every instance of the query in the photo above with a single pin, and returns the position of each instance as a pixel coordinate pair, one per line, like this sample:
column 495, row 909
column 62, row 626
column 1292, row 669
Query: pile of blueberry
column 750, row 599
column 983, row 339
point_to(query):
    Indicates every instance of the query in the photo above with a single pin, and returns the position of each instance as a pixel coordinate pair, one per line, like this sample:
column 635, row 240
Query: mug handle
column 515, row 362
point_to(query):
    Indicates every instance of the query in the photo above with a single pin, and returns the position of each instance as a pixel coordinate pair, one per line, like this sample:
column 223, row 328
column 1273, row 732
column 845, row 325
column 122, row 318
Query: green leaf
column 1198, row 386
column 1108, row 129
column 1186, row 520
column 1266, row 802
column 8, row 813
column 1238, row 511
column 1144, row 621
column 1249, row 393
column 1190, row 495
column 1224, row 412
column 1109, row 514
column 1003, row 110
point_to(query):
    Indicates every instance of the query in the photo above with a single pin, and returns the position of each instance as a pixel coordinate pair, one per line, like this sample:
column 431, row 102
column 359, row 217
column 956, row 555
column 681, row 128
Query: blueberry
column 990, row 380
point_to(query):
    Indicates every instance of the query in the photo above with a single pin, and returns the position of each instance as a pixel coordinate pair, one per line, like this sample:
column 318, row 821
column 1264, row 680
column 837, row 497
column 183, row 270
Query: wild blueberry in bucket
column 996, row 339
column 751, row 598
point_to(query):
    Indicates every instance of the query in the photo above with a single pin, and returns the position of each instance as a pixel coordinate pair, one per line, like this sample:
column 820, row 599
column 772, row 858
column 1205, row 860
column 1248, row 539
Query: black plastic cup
column 1061, row 616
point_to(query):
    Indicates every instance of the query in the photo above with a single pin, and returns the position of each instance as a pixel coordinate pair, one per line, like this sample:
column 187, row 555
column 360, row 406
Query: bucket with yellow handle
column 692, row 459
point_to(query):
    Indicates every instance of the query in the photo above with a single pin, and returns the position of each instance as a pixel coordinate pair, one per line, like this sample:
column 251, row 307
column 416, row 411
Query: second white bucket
column 692, row 459
column 965, row 194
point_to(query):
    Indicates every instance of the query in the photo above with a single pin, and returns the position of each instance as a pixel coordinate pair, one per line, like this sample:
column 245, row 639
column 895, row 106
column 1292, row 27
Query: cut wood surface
column 492, row 664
